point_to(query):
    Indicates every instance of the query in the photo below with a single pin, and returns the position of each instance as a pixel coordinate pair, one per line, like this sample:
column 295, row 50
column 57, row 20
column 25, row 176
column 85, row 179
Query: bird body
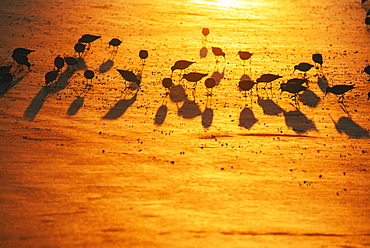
column 167, row 83
column 339, row 90
column 21, row 50
column 299, row 81
column 292, row 87
column 143, row 54
column 367, row 70
column 59, row 62
column 210, row 83
column 129, row 76
column 80, row 48
column 304, row 67
column 89, row 74
column 244, row 55
column 246, row 85
column 181, row 65
column 218, row 52
column 88, row 38
column 194, row 76
column 51, row 76
column 317, row 58
column 115, row 42
column 205, row 31
column 22, row 59
column 267, row 78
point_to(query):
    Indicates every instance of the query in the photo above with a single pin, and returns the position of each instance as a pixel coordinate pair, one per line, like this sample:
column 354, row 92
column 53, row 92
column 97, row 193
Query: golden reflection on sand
column 226, row 3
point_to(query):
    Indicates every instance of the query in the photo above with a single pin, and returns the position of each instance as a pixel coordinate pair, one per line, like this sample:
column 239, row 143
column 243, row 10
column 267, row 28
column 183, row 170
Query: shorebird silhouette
column 293, row 88
column 143, row 54
column 70, row 61
column 115, row 44
column 304, row 67
column 367, row 70
column 246, row 85
column 80, row 49
column 21, row 60
column 88, row 39
column 317, row 58
column 51, row 76
column 368, row 96
column 21, row 50
column 181, row 65
column 244, row 55
column 205, row 32
column 210, row 83
column 339, row 90
column 194, row 76
column 59, row 62
column 267, row 78
column 218, row 52
column 129, row 76
column 167, row 84
column 299, row 81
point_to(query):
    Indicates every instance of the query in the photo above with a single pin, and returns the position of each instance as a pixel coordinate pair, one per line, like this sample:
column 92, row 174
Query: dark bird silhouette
column 299, row 81
column 367, row 20
column 4, row 69
column 218, row 52
column 246, row 85
column 368, row 96
column 70, row 61
column 21, row 50
column 80, row 49
column 244, row 55
column 210, row 83
column 367, row 70
column 267, row 78
column 51, row 76
column 115, row 43
column 143, row 54
column 304, row 67
column 167, row 84
column 89, row 75
column 129, row 76
column 294, row 89
column 181, row 65
column 194, row 77
column 339, row 90
column 317, row 58
column 21, row 60
column 59, row 62
column 88, row 38
column 205, row 32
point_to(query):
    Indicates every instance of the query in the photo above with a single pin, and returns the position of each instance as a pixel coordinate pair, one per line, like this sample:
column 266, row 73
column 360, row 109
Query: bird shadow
column 349, row 127
column 218, row 76
column 207, row 117
column 106, row 66
column 322, row 82
column 76, row 105
column 309, row 98
column 161, row 114
column 4, row 88
column 177, row 94
column 269, row 107
column 247, row 118
column 203, row 52
column 189, row 110
column 120, row 108
column 40, row 98
column 298, row 121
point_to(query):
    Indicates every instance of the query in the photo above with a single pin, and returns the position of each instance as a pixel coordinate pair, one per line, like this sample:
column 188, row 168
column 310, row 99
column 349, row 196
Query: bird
column 167, row 84
column 114, row 43
column 339, row 90
column 246, row 85
column 267, row 78
column 89, row 75
column 143, row 54
column 317, row 58
column 299, row 81
column 21, row 50
column 210, row 83
column 304, row 67
column 218, row 52
column 244, row 55
column 367, row 70
column 194, row 77
column 80, row 49
column 367, row 20
column 88, row 39
column 22, row 59
column 59, row 62
column 293, row 88
column 129, row 76
column 70, row 61
column 51, row 76
column 368, row 96
column 181, row 65
column 205, row 32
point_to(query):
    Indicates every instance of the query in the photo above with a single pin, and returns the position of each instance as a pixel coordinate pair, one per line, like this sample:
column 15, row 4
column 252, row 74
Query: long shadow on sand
column 207, row 117
column 309, row 98
column 322, row 82
column 269, row 106
column 348, row 126
column 6, row 87
column 247, row 118
column 120, row 108
column 39, row 100
column 298, row 121
column 189, row 110
column 161, row 114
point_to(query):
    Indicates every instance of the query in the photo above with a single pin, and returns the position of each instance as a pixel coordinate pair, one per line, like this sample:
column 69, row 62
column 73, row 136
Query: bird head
column 328, row 89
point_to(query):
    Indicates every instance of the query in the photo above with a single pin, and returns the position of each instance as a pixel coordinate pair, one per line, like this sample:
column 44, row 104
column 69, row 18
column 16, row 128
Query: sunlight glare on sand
column 226, row 3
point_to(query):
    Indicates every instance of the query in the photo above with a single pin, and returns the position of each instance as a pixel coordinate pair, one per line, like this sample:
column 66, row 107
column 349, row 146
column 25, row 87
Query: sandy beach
column 92, row 163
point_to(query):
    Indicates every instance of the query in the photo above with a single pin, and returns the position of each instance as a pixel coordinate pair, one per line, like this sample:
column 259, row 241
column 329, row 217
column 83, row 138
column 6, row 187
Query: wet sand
column 95, row 167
